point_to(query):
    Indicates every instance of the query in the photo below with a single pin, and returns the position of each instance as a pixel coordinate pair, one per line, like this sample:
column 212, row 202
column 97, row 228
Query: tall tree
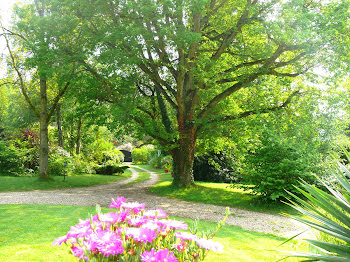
column 41, row 70
column 200, row 63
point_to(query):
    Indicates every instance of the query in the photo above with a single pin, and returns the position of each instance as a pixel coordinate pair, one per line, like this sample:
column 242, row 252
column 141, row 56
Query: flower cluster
column 132, row 233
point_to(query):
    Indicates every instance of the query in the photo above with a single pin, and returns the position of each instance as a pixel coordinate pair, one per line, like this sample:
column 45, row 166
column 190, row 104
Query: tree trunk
column 44, row 134
column 71, row 141
column 59, row 126
column 183, row 157
column 78, row 142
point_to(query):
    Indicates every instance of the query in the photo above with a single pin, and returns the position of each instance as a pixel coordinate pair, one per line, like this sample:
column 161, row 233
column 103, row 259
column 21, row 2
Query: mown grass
column 142, row 176
column 27, row 231
column 8, row 183
column 219, row 194
column 148, row 167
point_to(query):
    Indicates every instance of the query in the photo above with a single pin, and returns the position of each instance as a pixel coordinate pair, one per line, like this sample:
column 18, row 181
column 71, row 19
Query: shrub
column 276, row 166
column 167, row 162
column 140, row 155
column 81, row 166
column 59, row 161
column 214, row 167
column 132, row 233
column 10, row 162
column 155, row 158
column 27, row 145
column 110, row 169
column 101, row 151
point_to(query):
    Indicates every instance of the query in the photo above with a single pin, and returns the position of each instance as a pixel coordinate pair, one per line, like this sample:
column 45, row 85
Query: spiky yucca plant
column 327, row 212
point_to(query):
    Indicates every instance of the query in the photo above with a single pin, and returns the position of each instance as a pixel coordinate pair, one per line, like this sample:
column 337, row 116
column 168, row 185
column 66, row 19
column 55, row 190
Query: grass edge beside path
column 27, row 231
column 220, row 194
column 17, row 184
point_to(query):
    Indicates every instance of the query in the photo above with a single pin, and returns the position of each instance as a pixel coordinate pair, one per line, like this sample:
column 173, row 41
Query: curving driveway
column 102, row 194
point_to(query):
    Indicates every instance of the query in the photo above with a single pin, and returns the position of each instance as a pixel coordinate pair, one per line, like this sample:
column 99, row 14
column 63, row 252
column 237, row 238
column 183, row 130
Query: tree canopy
column 181, row 68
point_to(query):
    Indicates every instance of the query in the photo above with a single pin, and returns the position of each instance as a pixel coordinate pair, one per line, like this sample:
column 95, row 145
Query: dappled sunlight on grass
column 217, row 193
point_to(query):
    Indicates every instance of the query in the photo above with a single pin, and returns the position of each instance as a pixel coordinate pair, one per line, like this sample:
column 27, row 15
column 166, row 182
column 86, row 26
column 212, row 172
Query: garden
column 202, row 130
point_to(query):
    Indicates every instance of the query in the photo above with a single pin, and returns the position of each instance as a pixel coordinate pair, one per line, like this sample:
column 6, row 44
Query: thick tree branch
column 161, row 140
column 257, row 111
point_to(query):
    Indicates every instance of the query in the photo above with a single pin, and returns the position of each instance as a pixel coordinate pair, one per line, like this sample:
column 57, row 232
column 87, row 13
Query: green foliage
column 276, row 166
column 110, row 169
column 214, row 167
column 167, row 162
column 81, row 166
column 101, row 149
column 156, row 158
column 10, row 161
column 140, row 155
column 59, row 161
column 327, row 211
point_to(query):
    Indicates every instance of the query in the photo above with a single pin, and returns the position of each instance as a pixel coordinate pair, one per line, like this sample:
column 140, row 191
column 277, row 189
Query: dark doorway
column 127, row 155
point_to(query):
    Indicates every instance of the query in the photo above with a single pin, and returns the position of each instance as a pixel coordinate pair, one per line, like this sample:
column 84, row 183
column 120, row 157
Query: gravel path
column 102, row 194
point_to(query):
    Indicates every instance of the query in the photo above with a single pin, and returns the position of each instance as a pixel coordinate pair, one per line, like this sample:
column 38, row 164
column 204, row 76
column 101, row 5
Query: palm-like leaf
column 328, row 212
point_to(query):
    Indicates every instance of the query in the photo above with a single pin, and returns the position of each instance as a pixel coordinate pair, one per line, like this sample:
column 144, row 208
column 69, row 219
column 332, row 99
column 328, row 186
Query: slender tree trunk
column 44, row 135
column 71, row 140
column 59, row 126
column 78, row 142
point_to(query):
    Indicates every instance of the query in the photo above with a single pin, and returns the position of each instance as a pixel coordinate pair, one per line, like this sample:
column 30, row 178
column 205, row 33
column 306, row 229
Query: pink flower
column 58, row 241
column 137, row 221
column 173, row 224
column 117, row 203
column 136, row 207
column 156, row 213
column 112, row 217
column 210, row 245
column 186, row 236
column 77, row 251
column 151, row 225
column 106, row 242
column 141, row 234
column 79, row 231
column 182, row 246
column 149, row 256
column 162, row 255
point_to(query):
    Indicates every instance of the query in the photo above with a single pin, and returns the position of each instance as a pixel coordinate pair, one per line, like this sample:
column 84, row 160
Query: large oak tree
column 196, row 64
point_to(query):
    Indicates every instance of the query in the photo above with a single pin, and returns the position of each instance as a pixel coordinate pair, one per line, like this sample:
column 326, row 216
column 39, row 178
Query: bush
column 110, row 169
column 81, row 166
column 155, row 158
column 140, row 155
column 59, row 161
column 101, row 151
column 27, row 145
column 132, row 234
column 276, row 166
column 214, row 167
column 167, row 162
column 10, row 162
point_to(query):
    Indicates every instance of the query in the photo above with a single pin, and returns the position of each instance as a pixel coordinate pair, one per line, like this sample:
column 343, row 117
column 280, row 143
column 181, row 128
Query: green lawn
column 26, row 233
column 217, row 193
column 8, row 183
column 148, row 167
column 143, row 176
